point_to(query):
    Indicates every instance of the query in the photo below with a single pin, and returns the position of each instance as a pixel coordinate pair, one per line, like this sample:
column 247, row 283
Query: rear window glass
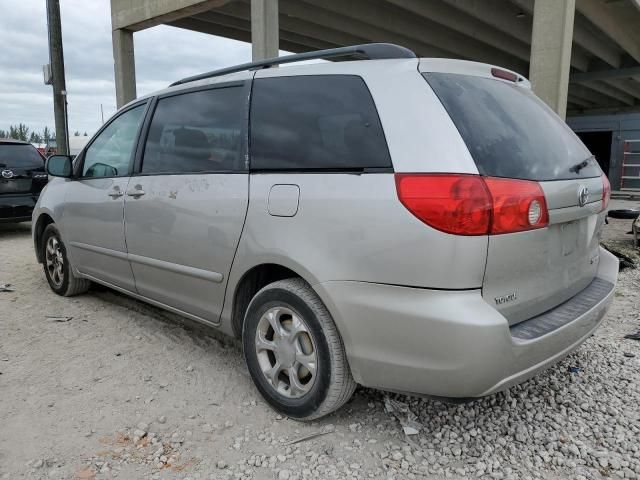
column 323, row 122
column 19, row 156
column 509, row 131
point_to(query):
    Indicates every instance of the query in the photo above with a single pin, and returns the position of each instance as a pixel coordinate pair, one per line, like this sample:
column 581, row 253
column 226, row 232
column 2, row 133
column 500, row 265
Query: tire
column 308, row 327
column 57, row 267
column 624, row 213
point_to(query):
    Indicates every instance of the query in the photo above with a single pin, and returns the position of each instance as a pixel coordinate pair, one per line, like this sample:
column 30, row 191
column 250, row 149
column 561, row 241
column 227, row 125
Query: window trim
column 79, row 166
column 244, row 131
column 322, row 170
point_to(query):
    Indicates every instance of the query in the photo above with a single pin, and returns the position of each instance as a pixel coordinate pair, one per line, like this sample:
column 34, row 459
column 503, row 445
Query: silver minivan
column 426, row 226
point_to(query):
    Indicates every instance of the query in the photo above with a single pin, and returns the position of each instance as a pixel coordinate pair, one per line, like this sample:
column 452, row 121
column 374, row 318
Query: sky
column 163, row 54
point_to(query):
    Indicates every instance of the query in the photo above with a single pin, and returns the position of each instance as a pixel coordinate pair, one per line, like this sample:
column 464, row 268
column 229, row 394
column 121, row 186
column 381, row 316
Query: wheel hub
column 285, row 352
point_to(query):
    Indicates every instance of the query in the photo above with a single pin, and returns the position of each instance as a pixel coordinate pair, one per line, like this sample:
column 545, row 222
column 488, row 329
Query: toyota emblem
column 583, row 195
column 7, row 174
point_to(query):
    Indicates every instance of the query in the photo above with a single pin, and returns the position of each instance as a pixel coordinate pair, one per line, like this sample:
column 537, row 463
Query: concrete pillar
column 551, row 51
column 124, row 66
column 265, row 34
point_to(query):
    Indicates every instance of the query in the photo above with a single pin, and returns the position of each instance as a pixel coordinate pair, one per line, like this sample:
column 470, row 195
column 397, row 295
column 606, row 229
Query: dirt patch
column 122, row 389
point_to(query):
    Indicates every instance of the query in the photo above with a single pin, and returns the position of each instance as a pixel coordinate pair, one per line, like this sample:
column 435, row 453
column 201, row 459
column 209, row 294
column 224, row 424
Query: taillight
column 606, row 192
column 518, row 205
column 458, row 204
column 473, row 205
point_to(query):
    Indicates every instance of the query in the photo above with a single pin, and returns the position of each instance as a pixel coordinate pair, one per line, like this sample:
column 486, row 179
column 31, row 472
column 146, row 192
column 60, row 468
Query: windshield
column 510, row 132
column 20, row 155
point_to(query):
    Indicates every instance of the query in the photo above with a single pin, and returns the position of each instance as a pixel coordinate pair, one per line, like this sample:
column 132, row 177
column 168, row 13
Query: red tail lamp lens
column 606, row 192
column 473, row 205
column 458, row 204
column 518, row 205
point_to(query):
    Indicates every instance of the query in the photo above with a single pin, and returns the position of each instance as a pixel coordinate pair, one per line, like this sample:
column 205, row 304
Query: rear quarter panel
column 352, row 227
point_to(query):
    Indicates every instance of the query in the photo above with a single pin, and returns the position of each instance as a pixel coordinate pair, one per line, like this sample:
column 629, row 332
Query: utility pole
column 56, row 58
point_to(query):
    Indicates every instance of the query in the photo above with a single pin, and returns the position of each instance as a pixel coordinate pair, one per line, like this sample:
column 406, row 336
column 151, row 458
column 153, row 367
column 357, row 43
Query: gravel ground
column 102, row 386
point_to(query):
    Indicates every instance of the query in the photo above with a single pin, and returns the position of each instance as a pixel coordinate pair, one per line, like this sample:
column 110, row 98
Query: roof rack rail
column 367, row 51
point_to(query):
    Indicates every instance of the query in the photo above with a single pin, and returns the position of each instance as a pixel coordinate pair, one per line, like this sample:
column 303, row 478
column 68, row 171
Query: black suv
column 22, row 178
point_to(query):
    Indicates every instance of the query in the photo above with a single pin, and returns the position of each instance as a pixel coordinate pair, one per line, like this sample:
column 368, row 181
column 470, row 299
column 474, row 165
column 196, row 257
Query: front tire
column 57, row 267
column 294, row 352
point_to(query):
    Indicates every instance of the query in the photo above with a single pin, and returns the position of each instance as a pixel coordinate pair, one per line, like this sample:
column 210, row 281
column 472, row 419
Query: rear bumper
column 448, row 343
column 17, row 208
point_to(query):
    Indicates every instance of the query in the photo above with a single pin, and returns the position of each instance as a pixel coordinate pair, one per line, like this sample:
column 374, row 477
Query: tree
column 4, row 134
column 35, row 138
column 76, row 133
column 47, row 135
column 85, row 134
column 19, row 132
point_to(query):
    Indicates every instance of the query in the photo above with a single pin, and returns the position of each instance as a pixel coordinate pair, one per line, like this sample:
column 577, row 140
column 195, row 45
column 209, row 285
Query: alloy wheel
column 54, row 261
column 286, row 352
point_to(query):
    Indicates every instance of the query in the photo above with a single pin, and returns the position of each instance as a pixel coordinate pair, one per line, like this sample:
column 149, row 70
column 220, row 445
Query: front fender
column 50, row 205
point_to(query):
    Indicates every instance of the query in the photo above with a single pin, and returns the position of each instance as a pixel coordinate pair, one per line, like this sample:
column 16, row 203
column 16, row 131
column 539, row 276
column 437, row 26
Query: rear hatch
column 21, row 169
column 512, row 134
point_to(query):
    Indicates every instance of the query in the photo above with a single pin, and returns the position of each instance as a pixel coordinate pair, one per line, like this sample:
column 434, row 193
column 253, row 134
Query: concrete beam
column 503, row 16
column 619, row 27
column 610, row 91
column 584, row 92
column 124, row 66
column 463, row 23
column 322, row 17
column 312, row 38
column 265, row 32
column 288, row 42
column 236, row 15
column 583, row 37
column 580, row 101
column 137, row 15
column 551, row 51
column 607, row 110
column 606, row 74
column 626, row 85
column 591, row 41
column 387, row 18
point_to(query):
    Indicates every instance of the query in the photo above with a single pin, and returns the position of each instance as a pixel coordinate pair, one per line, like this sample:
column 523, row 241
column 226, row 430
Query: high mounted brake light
column 473, row 205
column 504, row 74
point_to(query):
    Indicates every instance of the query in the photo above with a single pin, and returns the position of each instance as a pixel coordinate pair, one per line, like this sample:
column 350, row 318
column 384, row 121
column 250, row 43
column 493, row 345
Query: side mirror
column 59, row 166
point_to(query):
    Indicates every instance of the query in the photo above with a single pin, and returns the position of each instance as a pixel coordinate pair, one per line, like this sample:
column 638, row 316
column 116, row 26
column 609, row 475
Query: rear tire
column 287, row 328
column 57, row 267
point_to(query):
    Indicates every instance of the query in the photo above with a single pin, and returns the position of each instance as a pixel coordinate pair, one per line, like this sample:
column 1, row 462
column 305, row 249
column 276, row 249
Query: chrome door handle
column 115, row 193
column 136, row 192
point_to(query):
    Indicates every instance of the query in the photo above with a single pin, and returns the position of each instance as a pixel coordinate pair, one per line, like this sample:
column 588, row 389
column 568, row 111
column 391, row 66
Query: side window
column 110, row 153
column 315, row 123
column 196, row 132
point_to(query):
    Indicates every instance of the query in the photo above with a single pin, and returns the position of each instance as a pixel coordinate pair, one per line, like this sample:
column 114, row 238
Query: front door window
column 110, row 153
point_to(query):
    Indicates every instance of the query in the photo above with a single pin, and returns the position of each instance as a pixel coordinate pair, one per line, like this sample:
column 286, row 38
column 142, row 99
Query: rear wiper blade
column 579, row 166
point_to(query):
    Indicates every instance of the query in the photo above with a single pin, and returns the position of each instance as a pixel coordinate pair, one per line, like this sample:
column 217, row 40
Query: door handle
column 115, row 193
column 136, row 192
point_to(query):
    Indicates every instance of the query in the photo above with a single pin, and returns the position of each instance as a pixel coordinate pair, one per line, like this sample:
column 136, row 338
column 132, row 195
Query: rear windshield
column 509, row 131
column 19, row 155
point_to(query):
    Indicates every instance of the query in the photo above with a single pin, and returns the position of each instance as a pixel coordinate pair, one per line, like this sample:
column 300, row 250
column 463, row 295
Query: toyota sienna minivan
column 426, row 226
